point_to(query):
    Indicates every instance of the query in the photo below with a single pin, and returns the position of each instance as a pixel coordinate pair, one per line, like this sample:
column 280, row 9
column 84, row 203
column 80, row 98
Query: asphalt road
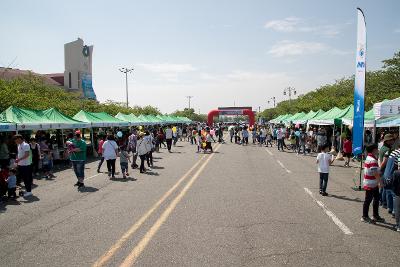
column 241, row 206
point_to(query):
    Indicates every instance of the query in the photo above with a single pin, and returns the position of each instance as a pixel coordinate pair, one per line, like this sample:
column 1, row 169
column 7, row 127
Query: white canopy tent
column 387, row 108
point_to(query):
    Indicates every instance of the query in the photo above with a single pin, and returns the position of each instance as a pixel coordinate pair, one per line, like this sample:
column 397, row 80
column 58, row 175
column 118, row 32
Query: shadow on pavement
column 29, row 199
column 123, row 180
column 88, row 189
column 152, row 173
column 158, row 167
column 346, row 198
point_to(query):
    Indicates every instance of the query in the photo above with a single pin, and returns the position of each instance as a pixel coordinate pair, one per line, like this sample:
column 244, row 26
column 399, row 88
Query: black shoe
column 320, row 192
column 367, row 219
column 324, row 194
column 378, row 219
column 98, row 171
column 77, row 184
column 81, row 185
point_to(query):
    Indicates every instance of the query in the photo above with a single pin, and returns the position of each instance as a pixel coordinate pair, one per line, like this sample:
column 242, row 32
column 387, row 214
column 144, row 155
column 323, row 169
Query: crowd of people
column 381, row 175
column 23, row 157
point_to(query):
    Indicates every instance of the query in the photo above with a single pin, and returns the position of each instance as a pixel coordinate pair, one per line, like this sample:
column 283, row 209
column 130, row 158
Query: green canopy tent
column 185, row 120
column 99, row 119
column 328, row 118
column 6, row 126
column 296, row 116
column 64, row 121
column 280, row 118
column 131, row 118
column 310, row 115
column 147, row 120
column 27, row 119
column 369, row 118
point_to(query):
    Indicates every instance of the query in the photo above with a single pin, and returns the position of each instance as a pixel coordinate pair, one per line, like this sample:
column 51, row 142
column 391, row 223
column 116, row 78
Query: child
column 347, row 149
column 47, row 163
column 124, row 159
column 324, row 159
column 12, row 184
column 371, row 183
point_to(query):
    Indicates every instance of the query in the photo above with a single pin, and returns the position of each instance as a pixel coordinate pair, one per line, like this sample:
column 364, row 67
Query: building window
column 69, row 80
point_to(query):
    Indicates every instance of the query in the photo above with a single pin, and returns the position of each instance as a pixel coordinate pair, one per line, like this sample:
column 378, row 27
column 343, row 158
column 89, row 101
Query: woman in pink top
column 100, row 152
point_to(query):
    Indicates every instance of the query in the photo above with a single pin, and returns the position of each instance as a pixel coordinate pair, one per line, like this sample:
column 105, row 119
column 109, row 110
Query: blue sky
column 220, row 52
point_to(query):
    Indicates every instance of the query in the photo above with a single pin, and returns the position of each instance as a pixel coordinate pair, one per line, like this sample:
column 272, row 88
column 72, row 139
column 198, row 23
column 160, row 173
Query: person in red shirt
column 347, row 149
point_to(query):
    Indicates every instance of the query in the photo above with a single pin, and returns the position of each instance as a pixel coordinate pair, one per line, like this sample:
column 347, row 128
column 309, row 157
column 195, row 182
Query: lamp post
column 189, row 97
column 289, row 91
column 126, row 71
column 272, row 99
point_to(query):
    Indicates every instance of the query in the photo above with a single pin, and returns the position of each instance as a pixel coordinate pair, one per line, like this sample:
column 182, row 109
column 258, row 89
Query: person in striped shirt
column 371, row 185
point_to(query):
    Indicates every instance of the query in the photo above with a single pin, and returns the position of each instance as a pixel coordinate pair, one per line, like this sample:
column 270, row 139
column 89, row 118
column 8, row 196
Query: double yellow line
column 138, row 249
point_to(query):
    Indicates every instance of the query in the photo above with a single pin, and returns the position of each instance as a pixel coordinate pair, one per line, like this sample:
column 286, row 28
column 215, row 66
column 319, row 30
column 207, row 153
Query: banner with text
column 359, row 84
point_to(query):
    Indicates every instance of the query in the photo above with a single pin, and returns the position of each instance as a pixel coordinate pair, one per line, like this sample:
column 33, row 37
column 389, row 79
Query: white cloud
column 285, row 25
column 294, row 24
column 291, row 48
column 167, row 71
column 167, row 67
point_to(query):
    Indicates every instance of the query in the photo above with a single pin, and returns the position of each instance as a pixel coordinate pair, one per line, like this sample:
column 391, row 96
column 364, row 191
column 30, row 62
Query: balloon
column 119, row 134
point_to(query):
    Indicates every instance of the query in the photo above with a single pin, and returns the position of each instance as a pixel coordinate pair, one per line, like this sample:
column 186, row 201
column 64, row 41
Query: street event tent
column 64, row 121
column 27, row 119
column 369, row 119
column 6, row 126
column 99, row 119
column 388, row 122
column 131, row 118
column 280, row 118
column 296, row 116
column 310, row 115
column 328, row 118
column 387, row 108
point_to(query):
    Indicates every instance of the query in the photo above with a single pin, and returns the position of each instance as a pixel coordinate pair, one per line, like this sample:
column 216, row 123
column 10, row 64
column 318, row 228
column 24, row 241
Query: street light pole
column 273, row 99
column 288, row 91
column 189, row 97
column 126, row 71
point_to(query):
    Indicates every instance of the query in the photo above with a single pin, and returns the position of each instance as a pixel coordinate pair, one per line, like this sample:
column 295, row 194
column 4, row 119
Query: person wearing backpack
column 392, row 165
column 396, row 190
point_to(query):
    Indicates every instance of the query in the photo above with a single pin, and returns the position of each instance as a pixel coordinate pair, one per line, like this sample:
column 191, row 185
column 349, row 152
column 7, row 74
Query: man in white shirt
column 24, row 163
column 168, row 137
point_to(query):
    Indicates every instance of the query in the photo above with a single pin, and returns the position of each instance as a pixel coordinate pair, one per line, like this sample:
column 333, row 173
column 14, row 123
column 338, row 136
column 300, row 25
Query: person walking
column 169, row 137
column 110, row 154
column 324, row 160
column 4, row 154
column 132, row 142
column 24, row 162
column 396, row 190
column 347, row 150
column 141, row 150
column 280, row 135
column 371, row 185
column 123, row 161
column 100, row 152
column 302, row 140
column 77, row 151
column 149, row 147
column 36, row 155
column 208, row 141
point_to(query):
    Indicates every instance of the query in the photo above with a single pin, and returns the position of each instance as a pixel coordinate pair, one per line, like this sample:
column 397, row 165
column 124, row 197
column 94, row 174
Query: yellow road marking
column 107, row 256
column 135, row 253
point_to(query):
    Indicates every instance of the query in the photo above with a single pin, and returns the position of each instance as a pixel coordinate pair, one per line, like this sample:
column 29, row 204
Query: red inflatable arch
column 216, row 112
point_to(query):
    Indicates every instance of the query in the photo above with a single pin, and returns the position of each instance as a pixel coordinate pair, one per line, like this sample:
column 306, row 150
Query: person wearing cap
column 78, row 157
column 384, row 152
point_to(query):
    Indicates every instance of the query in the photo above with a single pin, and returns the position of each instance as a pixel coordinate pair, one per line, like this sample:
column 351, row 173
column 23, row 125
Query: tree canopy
column 380, row 85
column 190, row 113
column 31, row 92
